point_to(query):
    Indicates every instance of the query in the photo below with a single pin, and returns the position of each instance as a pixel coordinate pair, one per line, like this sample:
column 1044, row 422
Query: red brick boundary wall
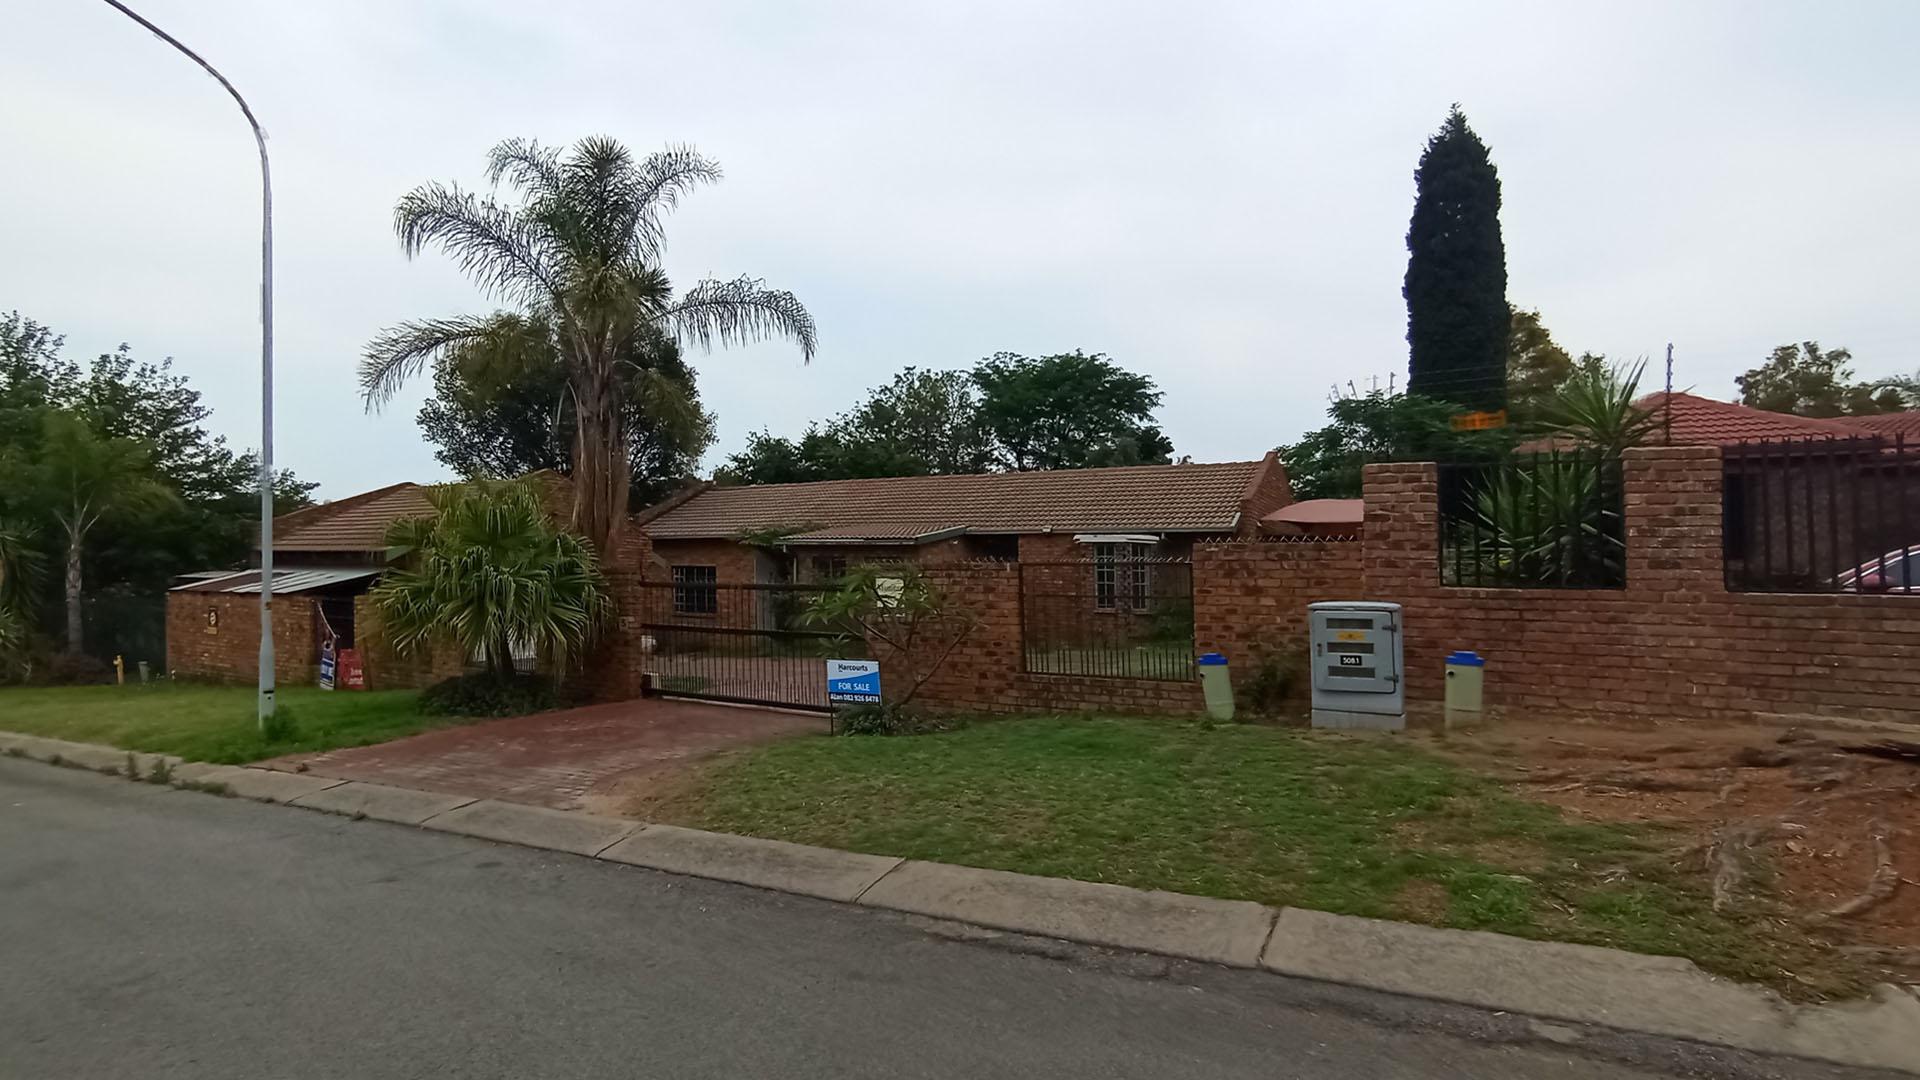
column 985, row 671
column 1250, row 597
column 1674, row 643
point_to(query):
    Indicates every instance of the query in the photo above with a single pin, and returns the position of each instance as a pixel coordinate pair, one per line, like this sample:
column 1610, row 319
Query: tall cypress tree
column 1456, row 286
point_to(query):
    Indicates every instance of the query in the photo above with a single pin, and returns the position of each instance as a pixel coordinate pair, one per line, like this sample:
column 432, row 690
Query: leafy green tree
column 490, row 571
column 490, row 424
column 1069, row 411
column 579, row 256
column 79, row 478
column 922, row 423
column 33, row 377
column 773, row 459
column 1806, row 380
column 1327, row 463
column 19, row 568
column 898, row 609
column 1456, row 285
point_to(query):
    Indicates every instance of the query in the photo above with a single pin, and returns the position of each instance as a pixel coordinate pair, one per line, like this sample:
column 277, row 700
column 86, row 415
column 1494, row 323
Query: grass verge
column 212, row 723
column 1359, row 826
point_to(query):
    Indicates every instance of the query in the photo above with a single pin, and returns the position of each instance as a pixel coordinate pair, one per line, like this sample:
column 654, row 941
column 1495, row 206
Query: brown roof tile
column 1149, row 498
column 356, row 524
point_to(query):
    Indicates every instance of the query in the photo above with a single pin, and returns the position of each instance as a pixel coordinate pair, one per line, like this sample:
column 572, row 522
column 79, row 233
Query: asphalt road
column 152, row 933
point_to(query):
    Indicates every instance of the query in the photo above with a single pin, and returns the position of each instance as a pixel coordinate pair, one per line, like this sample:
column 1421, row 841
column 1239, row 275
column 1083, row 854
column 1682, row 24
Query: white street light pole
column 266, row 363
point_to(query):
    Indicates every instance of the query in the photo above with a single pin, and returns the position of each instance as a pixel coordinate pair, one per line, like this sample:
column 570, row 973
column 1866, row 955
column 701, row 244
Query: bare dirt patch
column 1818, row 826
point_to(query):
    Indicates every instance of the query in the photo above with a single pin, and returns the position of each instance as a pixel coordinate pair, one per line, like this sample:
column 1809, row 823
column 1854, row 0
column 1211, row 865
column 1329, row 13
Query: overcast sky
column 1214, row 194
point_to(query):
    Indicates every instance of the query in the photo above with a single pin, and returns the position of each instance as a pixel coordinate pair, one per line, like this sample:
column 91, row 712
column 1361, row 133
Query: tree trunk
column 75, row 636
column 599, row 460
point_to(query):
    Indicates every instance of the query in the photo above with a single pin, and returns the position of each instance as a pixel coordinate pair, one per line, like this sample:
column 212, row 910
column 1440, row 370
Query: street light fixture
column 266, row 365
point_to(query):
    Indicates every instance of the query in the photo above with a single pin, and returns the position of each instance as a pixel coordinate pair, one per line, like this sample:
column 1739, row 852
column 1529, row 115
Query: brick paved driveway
column 557, row 759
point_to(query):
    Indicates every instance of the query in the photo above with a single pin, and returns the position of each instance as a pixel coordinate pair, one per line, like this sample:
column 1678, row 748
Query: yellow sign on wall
column 1480, row 421
column 1351, row 635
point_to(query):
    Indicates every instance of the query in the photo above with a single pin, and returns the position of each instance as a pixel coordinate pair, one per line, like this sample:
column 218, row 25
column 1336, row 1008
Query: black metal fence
column 743, row 643
column 1120, row 617
column 1822, row 515
column 130, row 625
column 1547, row 520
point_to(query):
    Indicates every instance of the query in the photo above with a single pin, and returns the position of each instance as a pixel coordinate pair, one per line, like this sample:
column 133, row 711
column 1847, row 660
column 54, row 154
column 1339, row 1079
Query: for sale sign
column 853, row 682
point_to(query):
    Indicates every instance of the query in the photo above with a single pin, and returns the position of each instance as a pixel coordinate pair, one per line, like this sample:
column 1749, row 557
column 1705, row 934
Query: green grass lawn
column 211, row 723
column 1361, row 826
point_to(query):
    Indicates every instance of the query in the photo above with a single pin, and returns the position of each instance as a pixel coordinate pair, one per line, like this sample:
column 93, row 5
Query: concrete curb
column 1192, row 927
column 1655, row 995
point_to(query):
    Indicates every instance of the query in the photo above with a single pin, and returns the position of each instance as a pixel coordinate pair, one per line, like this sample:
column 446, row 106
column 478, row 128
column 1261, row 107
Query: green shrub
column 1273, row 683
column 68, row 669
column 488, row 694
column 280, row 727
column 884, row 720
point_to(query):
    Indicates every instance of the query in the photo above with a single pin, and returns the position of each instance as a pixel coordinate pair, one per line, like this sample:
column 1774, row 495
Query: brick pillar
column 1673, row 522
column 1401, row 557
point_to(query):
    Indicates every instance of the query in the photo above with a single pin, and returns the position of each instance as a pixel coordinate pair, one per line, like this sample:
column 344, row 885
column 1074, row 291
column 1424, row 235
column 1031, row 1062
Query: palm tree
column 82, row 477
column 490, row 572
column 579, row 257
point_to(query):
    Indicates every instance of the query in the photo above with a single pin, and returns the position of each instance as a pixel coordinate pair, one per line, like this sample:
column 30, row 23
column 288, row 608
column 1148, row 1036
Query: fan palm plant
column 491, row 572
column 579, row 258
column 1595, row 408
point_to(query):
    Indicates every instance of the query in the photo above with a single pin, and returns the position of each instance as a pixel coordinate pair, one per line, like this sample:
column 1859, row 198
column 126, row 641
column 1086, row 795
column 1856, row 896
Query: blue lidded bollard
column 1215, row 686
column 1466, row 681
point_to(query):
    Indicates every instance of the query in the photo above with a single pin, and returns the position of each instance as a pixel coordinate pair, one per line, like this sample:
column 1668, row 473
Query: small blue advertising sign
column 853, row 682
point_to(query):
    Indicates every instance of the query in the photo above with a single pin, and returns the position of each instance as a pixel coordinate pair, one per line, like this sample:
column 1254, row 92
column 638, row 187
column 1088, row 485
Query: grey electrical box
column 1356, row 654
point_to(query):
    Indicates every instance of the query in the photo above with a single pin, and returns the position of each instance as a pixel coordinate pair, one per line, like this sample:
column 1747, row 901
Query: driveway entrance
column 557, row 759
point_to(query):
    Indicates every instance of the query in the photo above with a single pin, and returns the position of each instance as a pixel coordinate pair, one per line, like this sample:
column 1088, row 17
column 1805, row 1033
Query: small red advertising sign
column 351, row 676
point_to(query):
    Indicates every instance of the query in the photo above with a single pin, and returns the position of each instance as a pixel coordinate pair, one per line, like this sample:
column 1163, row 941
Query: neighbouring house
column 1808, row 501
column 812, row 532
column 326, row 558
column 1319, row 518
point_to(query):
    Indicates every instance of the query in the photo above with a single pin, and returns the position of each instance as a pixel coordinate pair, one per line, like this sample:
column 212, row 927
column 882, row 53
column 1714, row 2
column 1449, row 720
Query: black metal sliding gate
column 750, row 644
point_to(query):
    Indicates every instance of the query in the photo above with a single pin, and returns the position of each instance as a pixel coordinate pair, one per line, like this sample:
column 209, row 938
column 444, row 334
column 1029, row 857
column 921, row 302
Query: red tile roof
column 1698, row 421
column 1138, row 498
column 1897, row 423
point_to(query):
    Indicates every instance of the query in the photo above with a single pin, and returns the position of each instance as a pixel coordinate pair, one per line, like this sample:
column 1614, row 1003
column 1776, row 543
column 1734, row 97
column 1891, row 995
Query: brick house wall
column 1270, row 490
column 215, row 637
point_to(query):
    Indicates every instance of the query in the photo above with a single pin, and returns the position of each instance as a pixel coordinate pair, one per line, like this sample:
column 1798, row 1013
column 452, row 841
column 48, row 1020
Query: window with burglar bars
column 1822, row 515
column 695, row 591
column 1548, row 520
column 1122, row 576
column 1120, row 617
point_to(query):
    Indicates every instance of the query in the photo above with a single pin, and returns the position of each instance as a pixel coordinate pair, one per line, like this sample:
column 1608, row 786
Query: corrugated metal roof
column 1135, row 498
column 284, row 581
